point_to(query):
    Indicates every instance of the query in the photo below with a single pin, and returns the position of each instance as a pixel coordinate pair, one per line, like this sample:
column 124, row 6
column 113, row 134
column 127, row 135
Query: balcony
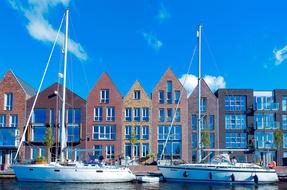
column 9, row 137
column 267, row 107
column 267, row 125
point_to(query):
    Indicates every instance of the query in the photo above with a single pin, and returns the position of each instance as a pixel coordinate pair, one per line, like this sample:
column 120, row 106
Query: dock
column 7, row 174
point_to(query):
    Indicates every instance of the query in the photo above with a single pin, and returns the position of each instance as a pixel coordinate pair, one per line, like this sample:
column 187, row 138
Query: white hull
column 59, row 173
column 216, row 173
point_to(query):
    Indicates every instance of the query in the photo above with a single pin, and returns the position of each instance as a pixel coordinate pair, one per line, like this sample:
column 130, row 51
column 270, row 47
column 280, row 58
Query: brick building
column 137, row 122
column 47, row 113
column 13, row 95
column 165, row 98
column 104, row 118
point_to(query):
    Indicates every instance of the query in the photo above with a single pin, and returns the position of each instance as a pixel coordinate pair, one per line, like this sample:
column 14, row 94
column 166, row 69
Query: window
column 110, row 151
column 137, row 132
column 98, row 150
column 2, row 120
column 137, row 114
column 211, row 139
column 265, row 103
column 235, row 103
column 193, row 122
column 175, row 133
column 145, row 150
column 73, row 133
column 128, row 150
column 41, row 151
column 161, row 115
column 33, row 151
column 110, row 114
column 52, row 118
column 161, row 96
column 169, row 115
column 211, row 122
column 177, row 115
column 194, row 156
column 169, row 86
column 104, row 132
column 265, row 121
column 194, row 140
column 128, row 132
column 284, row 122
column 98, row 114
column 13, row 121
column 203, row 122
column 8, row 101
column 169, row 97
column 128, row 114
column 38, row 133
column 264, row 140
column 8, row 137
column 176, row 96
column 137, row 150
column 172, row 149
column 284, row 103
column 203, row 103
column 145, row 132
column 74, row 116
column 146, row 114
column 105, row 96
column 169, row 92
column 235, row 121
column 235, row 140
column 285, row 140
column 39, row 116
column 137, row 94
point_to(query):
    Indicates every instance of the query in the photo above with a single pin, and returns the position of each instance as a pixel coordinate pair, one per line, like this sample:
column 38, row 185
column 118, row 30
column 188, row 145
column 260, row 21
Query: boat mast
column 63, row 128
column 199, row 94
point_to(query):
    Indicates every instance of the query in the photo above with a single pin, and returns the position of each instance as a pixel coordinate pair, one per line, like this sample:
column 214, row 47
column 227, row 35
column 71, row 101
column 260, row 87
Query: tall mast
column 63, row 128
column 199, row 95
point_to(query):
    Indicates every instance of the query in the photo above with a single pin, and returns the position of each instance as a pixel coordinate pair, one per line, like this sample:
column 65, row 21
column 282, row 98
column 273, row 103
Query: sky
column 244, row 43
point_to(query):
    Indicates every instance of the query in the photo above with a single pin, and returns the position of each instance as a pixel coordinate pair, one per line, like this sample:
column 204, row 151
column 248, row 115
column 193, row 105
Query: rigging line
column 38, row 92
column 174, row 115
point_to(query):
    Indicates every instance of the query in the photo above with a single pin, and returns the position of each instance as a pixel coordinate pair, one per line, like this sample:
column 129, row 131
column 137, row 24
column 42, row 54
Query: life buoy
column 185, row 174
column 210, row 175
column 232, row 177
column 256, row 179
column 272, row 164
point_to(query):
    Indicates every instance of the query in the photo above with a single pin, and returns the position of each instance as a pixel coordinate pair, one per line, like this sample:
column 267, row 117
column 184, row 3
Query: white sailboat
column 220, row 169
column 67, row 172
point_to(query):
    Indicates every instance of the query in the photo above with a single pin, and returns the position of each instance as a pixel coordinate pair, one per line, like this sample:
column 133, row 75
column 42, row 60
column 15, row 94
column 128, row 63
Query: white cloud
column 191, row 81
column 280, row 55
column 40, row 29
column 163, row 14
column 152, row 40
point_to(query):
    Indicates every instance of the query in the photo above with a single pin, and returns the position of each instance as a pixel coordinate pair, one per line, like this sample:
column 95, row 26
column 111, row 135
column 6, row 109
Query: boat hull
column 215, row 174
column 89, row 174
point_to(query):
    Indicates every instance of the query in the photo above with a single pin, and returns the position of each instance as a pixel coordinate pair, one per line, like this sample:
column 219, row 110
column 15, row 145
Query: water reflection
column 13, row 184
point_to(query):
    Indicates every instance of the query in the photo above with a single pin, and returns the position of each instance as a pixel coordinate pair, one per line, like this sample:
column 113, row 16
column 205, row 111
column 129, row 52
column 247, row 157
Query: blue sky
column 244, row 42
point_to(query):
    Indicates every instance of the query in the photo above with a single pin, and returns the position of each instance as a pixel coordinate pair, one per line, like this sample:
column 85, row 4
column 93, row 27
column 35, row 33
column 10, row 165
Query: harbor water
column 12, row 184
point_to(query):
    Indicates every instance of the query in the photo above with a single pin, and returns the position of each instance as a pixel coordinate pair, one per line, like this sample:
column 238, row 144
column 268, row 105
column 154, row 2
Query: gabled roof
column 25, row 86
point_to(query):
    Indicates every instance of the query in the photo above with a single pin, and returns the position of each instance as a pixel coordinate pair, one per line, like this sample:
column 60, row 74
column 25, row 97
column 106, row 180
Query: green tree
column 278, row 138
column 205, row 138
column 49, row 142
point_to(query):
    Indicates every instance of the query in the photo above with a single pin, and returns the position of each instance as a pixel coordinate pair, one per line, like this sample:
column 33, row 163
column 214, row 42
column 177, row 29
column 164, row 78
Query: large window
column 137, row 94
column 263, row 102
column 235, row 103
column 264, row 139
column 146, row 114
column 145, row 132
column 38, row 133
column 175, row 133
column 193, row 122
column 265, row 121
column 8, row 101
column 176, row 96
column 13, row 120
column 235, row 121
column 2, row 120
column 128, row 114
column 284, row 103
column 98, row 114
column 172, row 149
column 161, row 96
column 105, row 96
column 235, row 140
column 8, row 136
column 203, row 104
column 284, row 122
column 128, row 132
column 137, row 114
column 39, row 116
column 73, row 133
column 98, row 150
column 110, row 114
column 104, row 132
column 74, row 116
column 161, row 115
column 110, row 151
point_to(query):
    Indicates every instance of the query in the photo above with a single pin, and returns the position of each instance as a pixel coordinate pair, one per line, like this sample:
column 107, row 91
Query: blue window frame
column 146, row 114
column 98, row 114
column 137, row 132
column 265, row 121
column 7, row 137
column 105, row 96
column 194, row 122
column 177, row 115
column 128, row 114
column 284, row 103
column 145, row 149
column 110, row 114
column 203, row 104
column 74, row 116
column 98, row 150
column 284, row 122
column 161, row 96
column 8, row 101
column 235, row 121
column 2, row 120
column 38, row 134
column 128, row 150
column 211, row 122
column 264, row 140
column 235, row 140
column 169, row 115
column 285, row 140
column 104, row 132
column 161, row 115
column 128, row 132
column 235, row 103
column 137, row 114
column 194, row 140
column 39, row 116
column 137, row 94
column 73, row 133
column 212, row 140
column 176, row 96
column 172, row 149
column 145, row 132
column 175, row 133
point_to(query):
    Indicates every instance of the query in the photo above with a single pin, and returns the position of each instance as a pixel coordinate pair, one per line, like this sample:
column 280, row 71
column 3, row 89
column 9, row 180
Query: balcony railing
column 267, row 106
column 267, row 125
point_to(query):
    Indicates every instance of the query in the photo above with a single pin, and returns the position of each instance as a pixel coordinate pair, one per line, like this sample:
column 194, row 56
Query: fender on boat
column 210, row 175
column 185, row 174
column 256, row 179
column 232, row 177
